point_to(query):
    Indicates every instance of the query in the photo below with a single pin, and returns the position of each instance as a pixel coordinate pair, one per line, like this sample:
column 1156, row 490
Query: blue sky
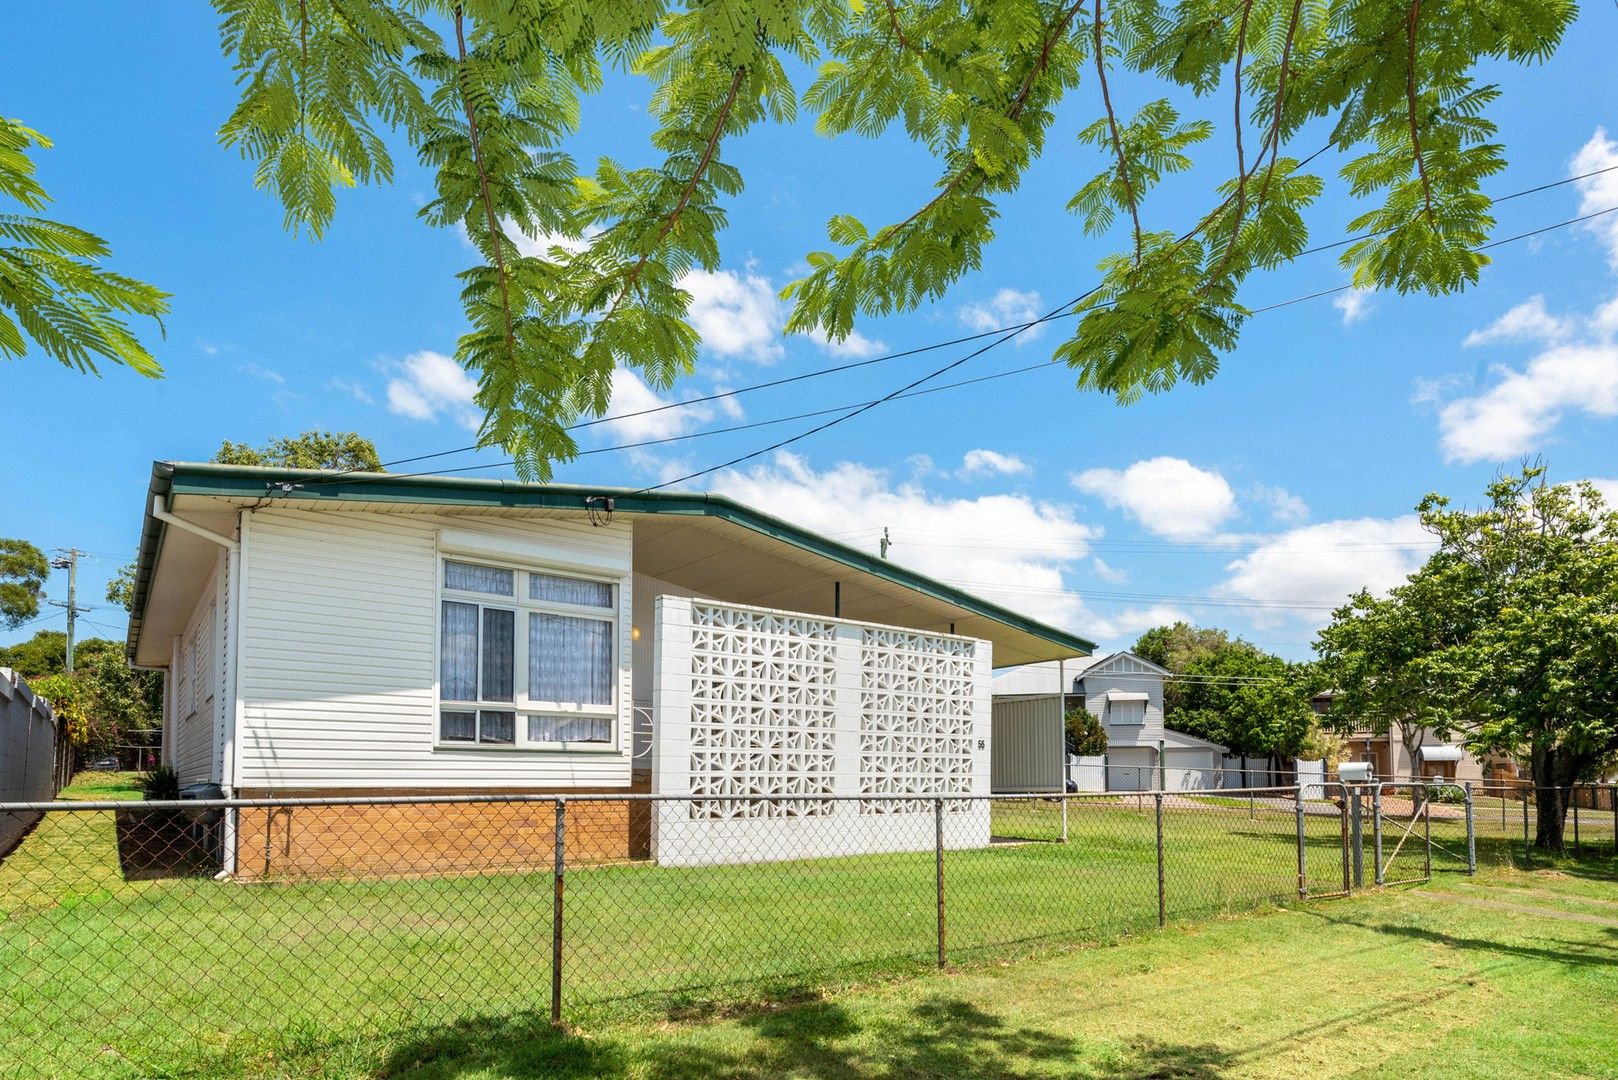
column 1254, row 502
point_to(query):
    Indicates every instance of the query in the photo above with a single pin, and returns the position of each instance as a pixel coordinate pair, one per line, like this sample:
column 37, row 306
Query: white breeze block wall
column 753, row 702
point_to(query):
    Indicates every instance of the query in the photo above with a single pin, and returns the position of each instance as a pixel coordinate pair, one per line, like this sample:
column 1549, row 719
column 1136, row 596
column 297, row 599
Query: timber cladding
column 428, row 838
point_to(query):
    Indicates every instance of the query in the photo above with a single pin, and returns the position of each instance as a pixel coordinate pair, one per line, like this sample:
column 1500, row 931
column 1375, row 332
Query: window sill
column 493, row 748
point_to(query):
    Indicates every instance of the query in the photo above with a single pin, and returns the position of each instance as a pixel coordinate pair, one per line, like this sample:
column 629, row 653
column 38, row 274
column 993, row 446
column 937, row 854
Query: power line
column 1013, row 329
column 855, row 408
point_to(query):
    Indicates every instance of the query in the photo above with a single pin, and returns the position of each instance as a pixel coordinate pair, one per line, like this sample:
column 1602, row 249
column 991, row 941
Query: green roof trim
column 312, row 487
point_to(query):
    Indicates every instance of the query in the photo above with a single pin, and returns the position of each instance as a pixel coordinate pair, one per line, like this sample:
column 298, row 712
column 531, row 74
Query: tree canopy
column 580, row 268
column 1086, row 736
column 1255, row 704
column 345, row 450
column 23, row 570
column 103, row 701
column 1177, row 647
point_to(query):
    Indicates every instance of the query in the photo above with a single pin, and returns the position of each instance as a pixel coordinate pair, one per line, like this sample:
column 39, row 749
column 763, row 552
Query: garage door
column 1130, row 769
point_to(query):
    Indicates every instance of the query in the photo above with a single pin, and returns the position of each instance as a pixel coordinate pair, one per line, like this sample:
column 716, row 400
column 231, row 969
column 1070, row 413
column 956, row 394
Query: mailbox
column 1354, row 772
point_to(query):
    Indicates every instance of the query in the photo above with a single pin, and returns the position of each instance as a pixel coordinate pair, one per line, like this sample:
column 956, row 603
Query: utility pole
column 68, row 560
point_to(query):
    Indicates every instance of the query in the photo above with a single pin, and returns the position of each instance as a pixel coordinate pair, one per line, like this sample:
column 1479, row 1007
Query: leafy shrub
column 161, row 783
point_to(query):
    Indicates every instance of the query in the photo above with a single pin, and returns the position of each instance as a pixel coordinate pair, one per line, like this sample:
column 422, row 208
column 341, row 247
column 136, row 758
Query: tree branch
column 1410, row 106
column 1019, row 101
column 672, row 218
column 496, row 237
column 1112, row 123
column 898, row 31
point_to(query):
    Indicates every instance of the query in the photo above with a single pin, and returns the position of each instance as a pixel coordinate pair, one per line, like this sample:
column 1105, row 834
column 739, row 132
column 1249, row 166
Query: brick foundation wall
column 427, row 838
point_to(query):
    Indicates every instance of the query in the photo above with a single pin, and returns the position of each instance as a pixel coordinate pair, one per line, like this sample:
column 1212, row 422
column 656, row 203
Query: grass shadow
column 940, row 1036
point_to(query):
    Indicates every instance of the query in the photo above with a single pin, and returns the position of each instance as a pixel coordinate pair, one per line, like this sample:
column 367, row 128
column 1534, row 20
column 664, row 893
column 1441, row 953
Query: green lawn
column 103, row 976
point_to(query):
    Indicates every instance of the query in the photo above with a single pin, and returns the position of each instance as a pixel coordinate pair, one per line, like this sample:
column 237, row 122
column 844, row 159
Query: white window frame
column 521, row 704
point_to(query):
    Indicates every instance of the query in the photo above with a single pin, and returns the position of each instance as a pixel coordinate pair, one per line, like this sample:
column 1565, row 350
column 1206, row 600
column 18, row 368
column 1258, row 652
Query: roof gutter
column 305, row 487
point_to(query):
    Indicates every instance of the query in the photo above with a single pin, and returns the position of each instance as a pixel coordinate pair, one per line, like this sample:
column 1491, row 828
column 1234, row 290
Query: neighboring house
column 1437, row 757
column 359, row 634
column 1122, row 691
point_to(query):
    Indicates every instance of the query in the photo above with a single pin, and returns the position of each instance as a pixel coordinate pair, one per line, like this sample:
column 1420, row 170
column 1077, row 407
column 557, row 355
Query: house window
column 1126, row 712
column 499, row 624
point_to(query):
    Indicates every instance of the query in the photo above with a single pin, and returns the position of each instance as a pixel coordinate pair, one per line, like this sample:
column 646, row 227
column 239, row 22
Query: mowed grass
column 107, row 977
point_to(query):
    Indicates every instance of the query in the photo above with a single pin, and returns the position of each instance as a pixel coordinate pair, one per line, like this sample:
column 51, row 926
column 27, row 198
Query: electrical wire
column 1012, row 328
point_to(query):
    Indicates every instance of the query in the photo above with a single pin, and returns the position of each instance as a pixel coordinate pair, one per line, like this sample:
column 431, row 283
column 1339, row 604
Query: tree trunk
column 1554, row 771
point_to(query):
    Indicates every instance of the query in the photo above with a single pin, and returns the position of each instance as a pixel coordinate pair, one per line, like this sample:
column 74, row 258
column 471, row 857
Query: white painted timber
column 196, row 700
column 338, row 653
column 805, row 710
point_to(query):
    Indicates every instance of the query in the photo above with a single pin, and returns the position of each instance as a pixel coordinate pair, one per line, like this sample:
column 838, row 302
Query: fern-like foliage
column 488, row 94
column 53, row 288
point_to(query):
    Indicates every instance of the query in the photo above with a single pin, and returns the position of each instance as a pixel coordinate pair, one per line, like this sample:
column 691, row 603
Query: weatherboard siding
column 196, row 702
column 339, row 651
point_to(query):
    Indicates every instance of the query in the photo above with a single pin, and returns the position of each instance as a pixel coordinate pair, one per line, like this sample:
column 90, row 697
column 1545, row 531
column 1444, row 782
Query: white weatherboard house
column 353, row 634
column 1121, row 690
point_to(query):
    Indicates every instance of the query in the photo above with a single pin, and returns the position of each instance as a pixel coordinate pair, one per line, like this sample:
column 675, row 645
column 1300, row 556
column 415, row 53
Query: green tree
column 106, row 703
column 345, row 451
column 1255, row 704
column 121, row 589
column 488, row 94
column 1377, row 654
column 1176, row 648
column 43, row 654
column 53, row 288
column 1086, row 736
column 1525, row 589
column 23, row 570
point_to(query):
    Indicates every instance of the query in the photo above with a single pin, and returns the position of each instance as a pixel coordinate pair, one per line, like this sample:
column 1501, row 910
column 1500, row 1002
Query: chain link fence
column 246, row 936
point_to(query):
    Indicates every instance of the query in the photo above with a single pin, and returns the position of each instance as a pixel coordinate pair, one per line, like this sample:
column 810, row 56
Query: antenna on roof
column 884, row 543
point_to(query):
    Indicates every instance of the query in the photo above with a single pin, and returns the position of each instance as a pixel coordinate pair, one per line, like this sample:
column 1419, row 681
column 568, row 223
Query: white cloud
column 1513, row 415
column 430, row 384
column 1597, row 193
column 1008, row 307
column 541, row 245
column 1108, row 573
column 856, row 346
column 1284, row 506
column 1355, row 304
column 1169, row 496
column 737, row 315
column 990, row 462
column 630, row 394
column 259, row 371
column 1317, row 567
column 1528, row 321
column 1008, row 548
column 351, row 388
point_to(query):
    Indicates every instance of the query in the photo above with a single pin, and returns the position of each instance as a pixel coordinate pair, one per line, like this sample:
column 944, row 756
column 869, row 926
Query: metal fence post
column 1342, row 821
column 938, row 870
column 1527, row 851
column 1356, row 821
column 1427, row 830
column 1162, row 896
column 1471, row 833
column 1303, row 873
column 557, row 867
column 1376, row 831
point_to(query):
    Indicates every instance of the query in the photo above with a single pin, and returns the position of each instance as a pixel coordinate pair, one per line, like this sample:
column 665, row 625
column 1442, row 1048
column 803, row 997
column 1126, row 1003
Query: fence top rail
column 430, row 798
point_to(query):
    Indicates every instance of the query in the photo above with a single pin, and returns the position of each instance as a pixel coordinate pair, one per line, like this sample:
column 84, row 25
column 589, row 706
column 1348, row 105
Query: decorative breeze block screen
column 763, row 712
column 916, row 718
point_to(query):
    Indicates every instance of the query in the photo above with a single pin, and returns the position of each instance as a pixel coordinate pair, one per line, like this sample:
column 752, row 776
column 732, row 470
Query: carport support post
column 1303, row 874
column 556, row 912
column 1162, row 897
column 1471, row 833
column 1376, row 831
column 938, row 870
